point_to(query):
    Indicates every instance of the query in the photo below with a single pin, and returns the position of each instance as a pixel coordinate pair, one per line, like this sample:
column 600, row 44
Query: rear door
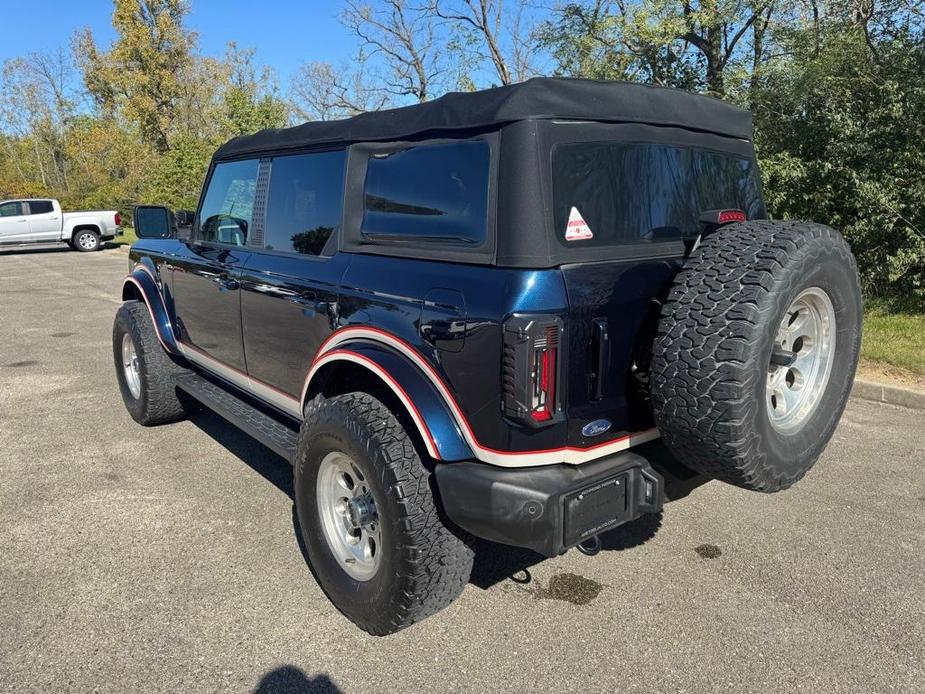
column 44, row 220
column 207, row 271
column 14, row 226
column 636, row 204
column 290, row 284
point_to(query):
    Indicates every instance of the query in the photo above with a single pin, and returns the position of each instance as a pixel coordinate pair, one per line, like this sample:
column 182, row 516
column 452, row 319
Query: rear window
column 305, row 201
column 430, row 193
column 613, row 193
column 40, row 207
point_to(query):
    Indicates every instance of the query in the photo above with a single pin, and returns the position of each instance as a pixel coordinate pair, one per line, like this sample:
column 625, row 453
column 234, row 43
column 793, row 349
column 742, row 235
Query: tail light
column 118, row 219
column 532, row 358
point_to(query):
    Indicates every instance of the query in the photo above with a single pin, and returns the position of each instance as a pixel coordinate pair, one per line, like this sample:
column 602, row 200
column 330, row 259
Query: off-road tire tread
column 436, row 560
column 702, row 370
column 162, row 404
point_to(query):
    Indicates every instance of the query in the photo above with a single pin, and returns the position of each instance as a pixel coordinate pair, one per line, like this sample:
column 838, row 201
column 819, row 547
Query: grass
column 894, row 334
column 127, row 239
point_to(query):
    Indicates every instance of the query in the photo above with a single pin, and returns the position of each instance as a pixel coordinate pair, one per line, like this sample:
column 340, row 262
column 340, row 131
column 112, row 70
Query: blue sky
column 284, row 32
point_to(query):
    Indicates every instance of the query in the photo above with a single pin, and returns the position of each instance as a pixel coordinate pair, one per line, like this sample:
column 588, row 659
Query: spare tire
column 755, row 352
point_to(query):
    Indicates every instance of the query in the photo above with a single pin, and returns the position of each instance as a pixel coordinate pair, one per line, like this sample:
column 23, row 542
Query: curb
column 891, row 395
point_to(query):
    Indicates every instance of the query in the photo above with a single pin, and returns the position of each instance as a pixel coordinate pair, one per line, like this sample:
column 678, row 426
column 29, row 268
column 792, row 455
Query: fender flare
column 425, row 406
column 143, row 280
column 572, row 455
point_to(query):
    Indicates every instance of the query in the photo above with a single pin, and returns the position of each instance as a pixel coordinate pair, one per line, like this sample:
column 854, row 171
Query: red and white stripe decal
column 157, row 329
column 346, row 355
column 564, row 454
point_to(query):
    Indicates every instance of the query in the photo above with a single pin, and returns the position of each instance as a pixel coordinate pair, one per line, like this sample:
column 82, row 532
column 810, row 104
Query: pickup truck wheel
column 756, row 351
column 375, row 538
column 86, row 240
column 145, row 372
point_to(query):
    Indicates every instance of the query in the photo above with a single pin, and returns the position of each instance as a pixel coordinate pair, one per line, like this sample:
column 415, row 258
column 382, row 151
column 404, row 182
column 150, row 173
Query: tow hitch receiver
column 550, row 508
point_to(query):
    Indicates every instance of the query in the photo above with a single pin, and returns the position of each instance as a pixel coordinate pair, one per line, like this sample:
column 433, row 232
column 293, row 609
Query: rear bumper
column 551, row 508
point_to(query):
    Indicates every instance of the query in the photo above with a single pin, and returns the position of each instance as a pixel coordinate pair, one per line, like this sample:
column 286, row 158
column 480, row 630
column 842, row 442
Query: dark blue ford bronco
column 529, row 314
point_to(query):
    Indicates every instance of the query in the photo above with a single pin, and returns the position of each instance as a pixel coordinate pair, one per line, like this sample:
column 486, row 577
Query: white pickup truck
column 40, row 221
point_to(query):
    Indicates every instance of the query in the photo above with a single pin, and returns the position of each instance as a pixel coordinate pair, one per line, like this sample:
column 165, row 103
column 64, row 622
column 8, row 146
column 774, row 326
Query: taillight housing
column 118, row 219
column 532, row 369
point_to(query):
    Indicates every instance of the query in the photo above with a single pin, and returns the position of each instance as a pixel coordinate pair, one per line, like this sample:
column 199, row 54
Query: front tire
column 372, row 529
column 145, row 372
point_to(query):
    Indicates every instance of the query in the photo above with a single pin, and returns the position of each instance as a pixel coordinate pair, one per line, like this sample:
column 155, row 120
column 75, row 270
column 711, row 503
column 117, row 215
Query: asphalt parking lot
column 165, row 559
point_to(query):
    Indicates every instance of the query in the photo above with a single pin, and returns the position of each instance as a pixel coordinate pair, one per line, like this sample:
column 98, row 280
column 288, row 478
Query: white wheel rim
column 349, row 520
column 130, row 366
column 805, row 339
column 86, row 240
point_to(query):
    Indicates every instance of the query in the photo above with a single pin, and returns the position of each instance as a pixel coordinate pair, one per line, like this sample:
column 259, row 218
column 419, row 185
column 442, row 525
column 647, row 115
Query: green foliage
column 841, row 137
column 140, row 76
column 177, row 178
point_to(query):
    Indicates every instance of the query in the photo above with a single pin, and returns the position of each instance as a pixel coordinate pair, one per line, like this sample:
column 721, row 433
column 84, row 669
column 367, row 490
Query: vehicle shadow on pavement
column 276, row 470
column 289, row 678
column 494, row 563
column 59, row 248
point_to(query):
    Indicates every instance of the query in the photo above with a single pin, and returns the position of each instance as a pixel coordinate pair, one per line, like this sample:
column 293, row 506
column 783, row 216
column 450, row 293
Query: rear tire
column 418, row 564
column 86, row 241
column 145, row 372
column 764, row 316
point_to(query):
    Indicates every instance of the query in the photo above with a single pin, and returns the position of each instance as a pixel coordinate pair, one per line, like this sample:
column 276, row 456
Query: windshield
column 615, row 193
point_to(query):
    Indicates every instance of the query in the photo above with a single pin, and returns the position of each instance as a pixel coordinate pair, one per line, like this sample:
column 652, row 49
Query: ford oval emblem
column 598, row 426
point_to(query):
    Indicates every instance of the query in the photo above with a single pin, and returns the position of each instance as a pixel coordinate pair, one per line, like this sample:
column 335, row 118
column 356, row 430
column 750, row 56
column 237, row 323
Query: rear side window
column 228, row 207
column 40, row 207
column 611, row 193
column 305, row 201
column 429, row 193
column 11, row 209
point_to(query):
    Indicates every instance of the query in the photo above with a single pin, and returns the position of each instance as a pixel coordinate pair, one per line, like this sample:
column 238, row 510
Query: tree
column 682, row 43
column 319, row 91
column 501, row 36
column 840, row 134
column 250, row 101
column 139, row 77
column 404, row 38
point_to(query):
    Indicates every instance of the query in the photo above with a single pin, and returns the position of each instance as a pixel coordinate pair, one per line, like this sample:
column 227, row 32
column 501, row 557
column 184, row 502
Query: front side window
column 11, row 209
column 40, row 207
column 613, row 193
column 428, row 193
column 305, row 201
column 228, row 207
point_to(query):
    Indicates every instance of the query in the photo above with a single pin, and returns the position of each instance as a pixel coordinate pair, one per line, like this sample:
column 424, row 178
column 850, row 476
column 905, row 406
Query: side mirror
column 153, row 222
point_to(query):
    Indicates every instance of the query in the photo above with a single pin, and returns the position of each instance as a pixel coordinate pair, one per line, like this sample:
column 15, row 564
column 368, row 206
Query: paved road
column 164, row 559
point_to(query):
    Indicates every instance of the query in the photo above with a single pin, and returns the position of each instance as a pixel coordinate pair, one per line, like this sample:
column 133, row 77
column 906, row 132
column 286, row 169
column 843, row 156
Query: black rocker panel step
column 268, row 430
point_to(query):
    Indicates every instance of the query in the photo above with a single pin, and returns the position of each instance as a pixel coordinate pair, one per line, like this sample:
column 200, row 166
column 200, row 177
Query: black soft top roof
column 538, row 98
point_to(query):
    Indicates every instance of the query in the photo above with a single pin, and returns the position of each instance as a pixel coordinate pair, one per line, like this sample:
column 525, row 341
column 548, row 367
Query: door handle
column 225, row 283
column 310, row 304
column 22, row 220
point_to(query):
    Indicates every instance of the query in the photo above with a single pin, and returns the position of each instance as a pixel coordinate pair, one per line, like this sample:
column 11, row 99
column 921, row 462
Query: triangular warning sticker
column 577, row 228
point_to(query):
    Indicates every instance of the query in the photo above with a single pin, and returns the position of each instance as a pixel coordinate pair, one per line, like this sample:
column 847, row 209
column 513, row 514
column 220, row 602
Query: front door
column 44, row 220
column 207, row 272
column 290, row 286
column 14, row 227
